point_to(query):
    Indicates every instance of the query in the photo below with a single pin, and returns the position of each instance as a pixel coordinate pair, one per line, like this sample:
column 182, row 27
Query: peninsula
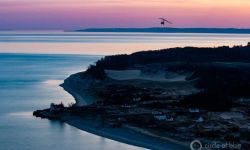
column 163, row 99
column 170, row 30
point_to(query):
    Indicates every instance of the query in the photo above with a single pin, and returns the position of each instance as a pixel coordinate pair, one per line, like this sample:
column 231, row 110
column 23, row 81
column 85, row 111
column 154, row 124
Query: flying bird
column 163, row 21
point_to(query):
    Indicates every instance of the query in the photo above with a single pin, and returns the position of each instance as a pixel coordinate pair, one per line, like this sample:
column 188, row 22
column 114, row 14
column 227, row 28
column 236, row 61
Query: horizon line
column 77, row 29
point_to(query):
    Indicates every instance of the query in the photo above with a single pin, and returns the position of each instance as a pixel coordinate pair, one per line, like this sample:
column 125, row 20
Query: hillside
column 181, row 93
column 169, row 30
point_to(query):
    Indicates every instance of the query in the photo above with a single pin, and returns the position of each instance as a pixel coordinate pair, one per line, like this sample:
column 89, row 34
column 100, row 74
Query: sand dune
column 138, row 74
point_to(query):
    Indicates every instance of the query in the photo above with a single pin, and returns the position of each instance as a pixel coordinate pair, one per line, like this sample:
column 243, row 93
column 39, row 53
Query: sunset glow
column 75, row 14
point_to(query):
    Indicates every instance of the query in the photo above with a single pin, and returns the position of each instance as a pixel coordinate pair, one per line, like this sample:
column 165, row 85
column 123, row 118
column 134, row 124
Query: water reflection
column 54, row 124
column 53, row 82
column 21, row 114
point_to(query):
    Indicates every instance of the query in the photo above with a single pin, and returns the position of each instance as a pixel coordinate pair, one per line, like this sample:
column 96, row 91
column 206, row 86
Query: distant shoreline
column 170, row 30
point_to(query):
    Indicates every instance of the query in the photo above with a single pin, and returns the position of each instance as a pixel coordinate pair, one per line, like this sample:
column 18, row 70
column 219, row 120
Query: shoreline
column 143, row 106
column 139, row 138
column 124, row 134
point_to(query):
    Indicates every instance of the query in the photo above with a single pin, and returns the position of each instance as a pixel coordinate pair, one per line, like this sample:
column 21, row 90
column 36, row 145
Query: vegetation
column 222, row 73
column 208, row 100
column 187, row 54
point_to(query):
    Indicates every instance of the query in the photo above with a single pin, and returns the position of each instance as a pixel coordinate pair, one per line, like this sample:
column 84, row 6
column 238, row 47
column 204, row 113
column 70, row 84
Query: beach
column 164, row 99
column 123, row 134
column 126, row 133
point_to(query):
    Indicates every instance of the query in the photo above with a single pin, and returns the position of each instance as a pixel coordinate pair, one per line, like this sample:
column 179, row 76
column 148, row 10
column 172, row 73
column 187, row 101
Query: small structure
column 248, row 44
column 127, row 106
column 55, row 108
column 136, row 99
column 194, row 110
column 156, row 113
column 160, row 117
column 169, row 118
column 200, row 119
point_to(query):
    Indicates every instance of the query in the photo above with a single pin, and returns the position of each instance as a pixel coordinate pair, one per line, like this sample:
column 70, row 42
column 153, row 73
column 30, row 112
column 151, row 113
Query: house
column 137, row 99
column 163, row 117
column 200, row 119
column 156, row 113
column 160, row 117
column 128, row 106
column 54, row 107
column 194, row 110
column 169, row 118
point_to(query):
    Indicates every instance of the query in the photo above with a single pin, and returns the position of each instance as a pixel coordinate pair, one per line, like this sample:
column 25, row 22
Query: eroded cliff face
column 79, row 86
column 121, row 87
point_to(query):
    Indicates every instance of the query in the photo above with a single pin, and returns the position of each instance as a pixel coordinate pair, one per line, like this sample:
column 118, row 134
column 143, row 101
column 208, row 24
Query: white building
column 200, row 119
column 194, row 110
column 160, row 117
column 136, row 99
column 169, row 119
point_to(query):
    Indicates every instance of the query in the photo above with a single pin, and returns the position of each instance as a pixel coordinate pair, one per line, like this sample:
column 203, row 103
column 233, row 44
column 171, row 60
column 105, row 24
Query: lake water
column 109, row 43
column 31, row 81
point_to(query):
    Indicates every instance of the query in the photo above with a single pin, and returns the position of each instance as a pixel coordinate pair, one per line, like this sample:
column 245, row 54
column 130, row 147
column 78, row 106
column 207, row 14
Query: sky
column 78, row 14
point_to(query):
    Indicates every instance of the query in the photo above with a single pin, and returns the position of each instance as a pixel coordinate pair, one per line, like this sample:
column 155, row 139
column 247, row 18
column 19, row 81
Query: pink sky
column 75, row 14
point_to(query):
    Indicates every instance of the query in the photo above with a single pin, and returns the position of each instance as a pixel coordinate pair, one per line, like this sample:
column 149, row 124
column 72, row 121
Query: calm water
column 30, row 82
column 109, row 43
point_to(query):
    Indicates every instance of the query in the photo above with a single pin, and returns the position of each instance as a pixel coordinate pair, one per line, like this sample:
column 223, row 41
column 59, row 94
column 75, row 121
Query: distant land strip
column 170, row 30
